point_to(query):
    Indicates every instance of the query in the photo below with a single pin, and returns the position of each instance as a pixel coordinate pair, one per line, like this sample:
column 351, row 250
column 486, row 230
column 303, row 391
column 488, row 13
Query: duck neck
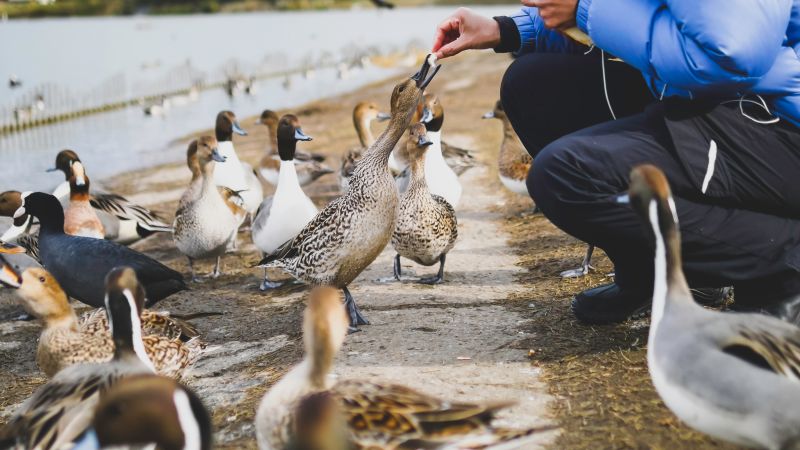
column 433, row 156
column 62, row 316
column 385, row 143
column 319, row 365
column 273, row 138
column 127, row 334
column 508, row 130
column 79, row 193
column 206, row 179
column 364, row 131
column 418, row 182
column 225, row 148
column 53, row 221
column 287, row 177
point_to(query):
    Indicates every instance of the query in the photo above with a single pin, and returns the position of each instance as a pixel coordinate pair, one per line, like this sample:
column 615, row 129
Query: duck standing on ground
column 123, row 221
column 79, row 263
column 304, row 406
column 283, row 215
column 232, row 172
column 514, row 162
column 426, row 227
column 349, row 233
column 79, row 217
column 232, row 198
column 733, row 376
column 59, row 412
column 204, row 224
column 308, row 166
column 363, row 115
column 149, row 409
column 64, row 342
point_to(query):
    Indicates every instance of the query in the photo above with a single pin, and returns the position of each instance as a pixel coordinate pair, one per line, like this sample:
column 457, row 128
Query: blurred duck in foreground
column 351, row 231
column 232, row 172
column 205, row 225
column 283, row 215
column 79, row 263
column 307, row 165
column 17, row 257
column 306, row 410
column 64, row 342
column 61, row 410
column 79, row 216
column 148, row 409
column 426, row 227
column 363, row 115
column 122, row 221
column 514, row 162
column 733, row 376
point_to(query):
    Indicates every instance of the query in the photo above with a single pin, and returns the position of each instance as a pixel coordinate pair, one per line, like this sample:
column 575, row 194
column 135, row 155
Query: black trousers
column 739, row 209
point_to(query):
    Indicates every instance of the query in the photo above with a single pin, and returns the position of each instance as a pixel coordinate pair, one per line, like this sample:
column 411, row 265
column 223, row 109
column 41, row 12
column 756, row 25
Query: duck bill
column 88, row 441
column 52, row 169
column 488, row 115
column 238, row 130
column 427, row 115
column 300, row 136
column 383, row 117
column 19, row 212
column 11, row 249
column 217, row 157
column 8, row 276
column 424, row 141
column 421, row 77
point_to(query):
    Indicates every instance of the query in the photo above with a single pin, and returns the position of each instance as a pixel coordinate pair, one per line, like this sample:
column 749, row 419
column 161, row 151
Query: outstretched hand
column 465, row 30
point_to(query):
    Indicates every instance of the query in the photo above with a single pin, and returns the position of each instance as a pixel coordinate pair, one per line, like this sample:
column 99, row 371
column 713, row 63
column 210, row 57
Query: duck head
column 289, row 132
column 497, row 113
column 42, row 297
column 431, row 112
column 649, row 187
column 418, row 142
column 64, row 161
column 8, row 276
column 124, row 301
column 147, row 409
column 268, row 118
column 43, row 206
column 406, row 95
column 201, row 153
column 366, row 112
column 325, row 325
column 226, row 126
column 78, row 180
column 10, row 201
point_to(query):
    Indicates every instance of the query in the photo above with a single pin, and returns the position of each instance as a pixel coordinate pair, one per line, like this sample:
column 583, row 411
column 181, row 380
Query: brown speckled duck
column 514, row 162
column 351, row 231
column 426, row 227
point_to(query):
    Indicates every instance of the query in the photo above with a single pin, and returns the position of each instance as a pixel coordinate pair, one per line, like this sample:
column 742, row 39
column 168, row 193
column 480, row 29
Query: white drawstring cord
column 605, row 86
column 761, row 104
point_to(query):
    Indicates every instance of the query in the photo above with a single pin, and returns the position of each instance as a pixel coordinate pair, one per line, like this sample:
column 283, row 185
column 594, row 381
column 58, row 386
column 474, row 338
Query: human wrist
column 508, row 35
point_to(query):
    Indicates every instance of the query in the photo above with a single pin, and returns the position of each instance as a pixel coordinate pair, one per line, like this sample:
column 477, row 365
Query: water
column 92, row 59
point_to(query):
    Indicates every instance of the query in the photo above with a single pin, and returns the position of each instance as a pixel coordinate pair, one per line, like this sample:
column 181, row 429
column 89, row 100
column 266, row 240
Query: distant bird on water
column 383, row 4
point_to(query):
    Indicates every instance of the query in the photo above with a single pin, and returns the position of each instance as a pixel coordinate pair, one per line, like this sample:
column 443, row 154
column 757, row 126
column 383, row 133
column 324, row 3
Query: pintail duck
column 308, row 166
column 79, row 263
column 283, row 215
column 363, row 115
column 351, row 231
column 733, row 376
column 204, row 224
column 24, row 225
column 59, row 412
column 122, row 221
column 79, row 217
column 514, row 162
column 64, row 342
column 426, row 227
column 232, row 172
column 305, row 407
column 232, row 198
column 148, row 409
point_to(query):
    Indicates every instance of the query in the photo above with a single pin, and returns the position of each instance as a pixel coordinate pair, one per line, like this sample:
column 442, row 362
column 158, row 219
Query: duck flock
column 114, row 372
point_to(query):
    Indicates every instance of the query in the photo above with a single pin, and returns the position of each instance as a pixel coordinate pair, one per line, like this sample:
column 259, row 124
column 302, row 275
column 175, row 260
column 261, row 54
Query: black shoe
column 610, row 304
column 787, row 310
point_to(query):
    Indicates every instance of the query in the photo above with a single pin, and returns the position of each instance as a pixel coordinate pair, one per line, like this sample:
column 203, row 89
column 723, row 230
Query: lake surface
column 87, row 60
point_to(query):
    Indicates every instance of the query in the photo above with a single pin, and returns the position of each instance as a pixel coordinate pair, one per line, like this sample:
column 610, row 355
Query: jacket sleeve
column 707, row 45
column 534, row 37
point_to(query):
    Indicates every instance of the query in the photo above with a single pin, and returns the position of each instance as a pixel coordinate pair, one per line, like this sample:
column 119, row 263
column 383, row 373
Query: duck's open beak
column 488, row 115
column 8, row 276
column 217, row 157
column 421, row 77
column 11, row 249
column 238, row 130
column 424, row 141
column 300, row 136
column 383, row 116
column 427, row 115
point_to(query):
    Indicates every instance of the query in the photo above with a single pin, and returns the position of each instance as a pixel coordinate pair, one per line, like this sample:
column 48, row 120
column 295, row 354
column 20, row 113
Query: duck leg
column 584, row 269
column 356, row 318
column 439, row 276
column 217, row 270
column 397, row 269
column 267, row 284
column 195, row 278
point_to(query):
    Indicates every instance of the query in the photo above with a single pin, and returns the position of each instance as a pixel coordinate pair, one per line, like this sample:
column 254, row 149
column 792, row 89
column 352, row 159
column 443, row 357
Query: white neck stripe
column 187, row 420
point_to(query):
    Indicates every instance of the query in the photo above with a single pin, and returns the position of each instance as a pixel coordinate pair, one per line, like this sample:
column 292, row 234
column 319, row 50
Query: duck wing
column 123, row 209
column 301, row 155
column 765, row 342
column 459, row 159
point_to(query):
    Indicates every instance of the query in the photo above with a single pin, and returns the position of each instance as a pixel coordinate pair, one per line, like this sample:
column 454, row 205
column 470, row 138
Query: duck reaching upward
column 514, row 162
column 351, row 231
column 733, row 376
column 61, row 410
column 204, row 224
column 232, row 172
column 363, row 115
column 308, row 166
column 79, row 263
column 305, row 406
column 426, row 227
column 79, row 217
column 283, row 215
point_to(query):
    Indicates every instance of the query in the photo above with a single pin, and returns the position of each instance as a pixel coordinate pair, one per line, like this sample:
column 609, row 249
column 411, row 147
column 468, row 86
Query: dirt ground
column 499, row 328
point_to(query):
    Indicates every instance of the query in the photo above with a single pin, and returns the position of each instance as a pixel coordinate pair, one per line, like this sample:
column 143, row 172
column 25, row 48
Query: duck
column 17, row 256
column 732, row 376
column 426, row 228
column 60, row 411
column 10, row 201
column 442, row 180
column 63, row 342
column 123, row 221
column 351, row 231
column 80, row 218
column 232, row 172
column 364, row 114
column 283, row 215
column 204, row 224
column 79, row 263
column 514, row 162
column 308, row 165
column 232, row 199
column 306, row 406
column 148, row 409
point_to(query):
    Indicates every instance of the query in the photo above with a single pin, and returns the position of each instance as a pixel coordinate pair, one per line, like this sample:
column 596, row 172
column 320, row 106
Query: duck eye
column 401, row 89
column 42, row 279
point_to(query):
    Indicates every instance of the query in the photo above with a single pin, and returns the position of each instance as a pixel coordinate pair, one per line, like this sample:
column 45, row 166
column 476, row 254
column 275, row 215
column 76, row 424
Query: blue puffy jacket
column 692, row 48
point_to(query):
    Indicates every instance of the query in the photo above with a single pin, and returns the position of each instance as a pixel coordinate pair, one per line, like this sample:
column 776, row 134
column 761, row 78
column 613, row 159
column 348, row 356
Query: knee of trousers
column 554, row 173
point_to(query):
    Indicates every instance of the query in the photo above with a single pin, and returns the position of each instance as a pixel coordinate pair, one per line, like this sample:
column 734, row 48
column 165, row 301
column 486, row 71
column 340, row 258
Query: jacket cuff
column 582, row 15
column 509, row 35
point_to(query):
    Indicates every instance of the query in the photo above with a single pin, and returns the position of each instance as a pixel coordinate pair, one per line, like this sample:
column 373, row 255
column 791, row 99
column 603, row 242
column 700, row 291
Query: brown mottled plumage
column 514, row 162
column 426, row 228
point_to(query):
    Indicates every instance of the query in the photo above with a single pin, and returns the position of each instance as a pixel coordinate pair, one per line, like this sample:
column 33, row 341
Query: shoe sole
column 610, row 319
